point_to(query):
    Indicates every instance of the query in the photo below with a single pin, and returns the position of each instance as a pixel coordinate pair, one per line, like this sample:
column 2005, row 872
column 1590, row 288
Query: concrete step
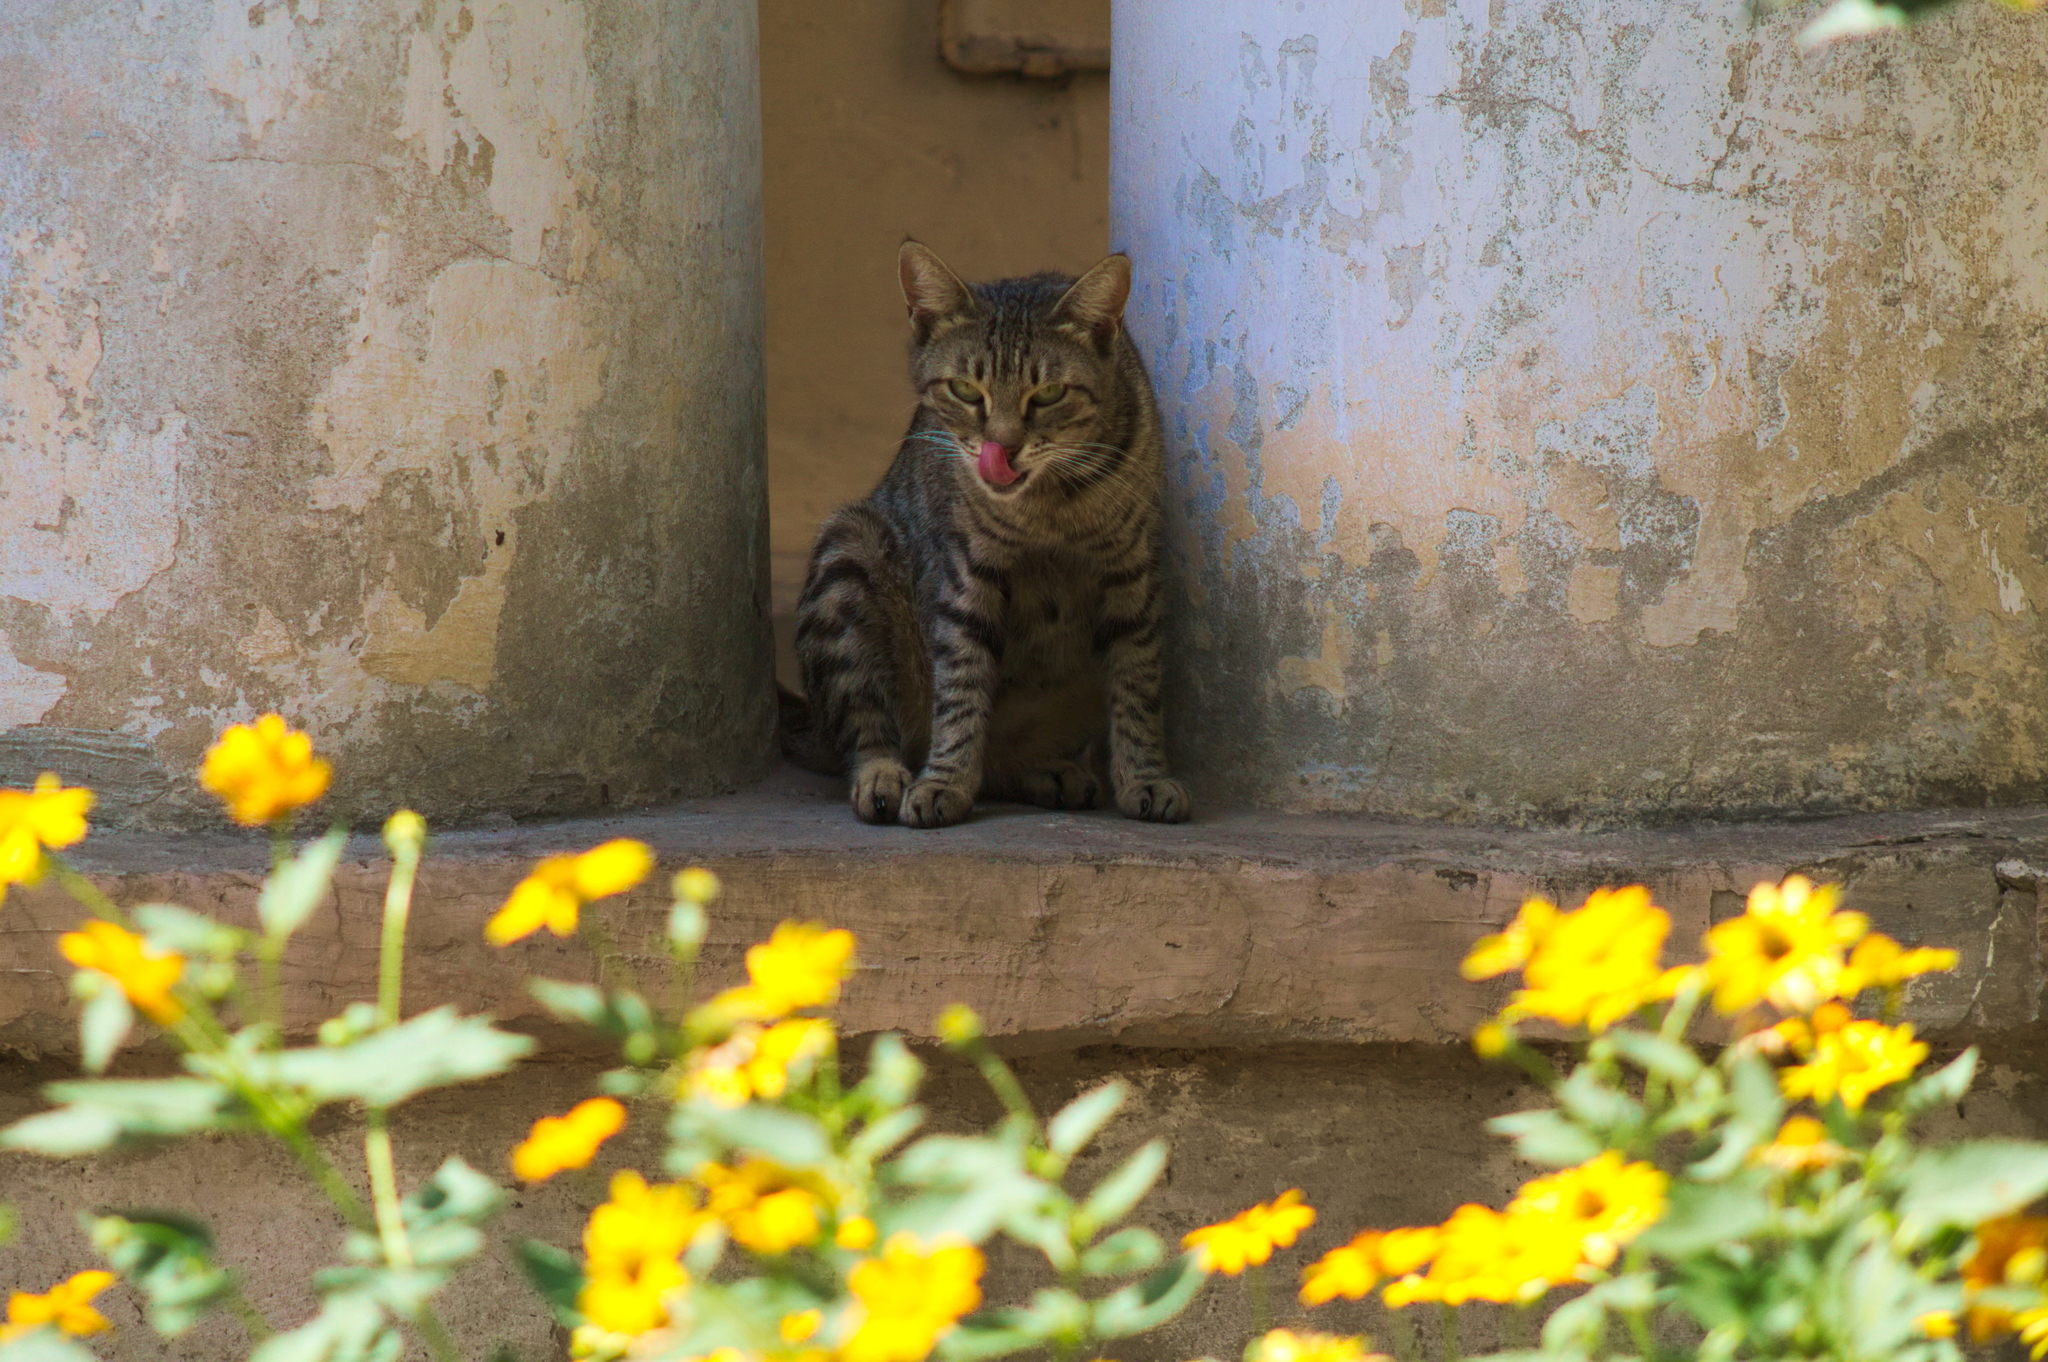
column 1067, row 929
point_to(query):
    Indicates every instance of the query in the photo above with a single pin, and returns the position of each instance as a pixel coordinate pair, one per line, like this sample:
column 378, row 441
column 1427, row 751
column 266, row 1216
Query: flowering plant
column 796, row 1215
column 1763, row 1197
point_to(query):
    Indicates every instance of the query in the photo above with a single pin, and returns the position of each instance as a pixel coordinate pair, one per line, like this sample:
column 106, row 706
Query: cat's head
column 1018, row 373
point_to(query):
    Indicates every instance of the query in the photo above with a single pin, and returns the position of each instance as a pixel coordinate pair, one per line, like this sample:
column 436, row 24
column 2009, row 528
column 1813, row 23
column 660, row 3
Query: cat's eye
column 1049, row 394
column 963, row 390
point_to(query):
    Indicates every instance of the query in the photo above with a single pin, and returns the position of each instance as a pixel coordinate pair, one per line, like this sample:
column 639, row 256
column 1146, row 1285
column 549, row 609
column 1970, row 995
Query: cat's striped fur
column 989, row 617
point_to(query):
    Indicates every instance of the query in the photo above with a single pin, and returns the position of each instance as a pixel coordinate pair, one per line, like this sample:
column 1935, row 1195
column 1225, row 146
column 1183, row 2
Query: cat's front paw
column 878, row 790
column 1155, row 801
column 932, row 803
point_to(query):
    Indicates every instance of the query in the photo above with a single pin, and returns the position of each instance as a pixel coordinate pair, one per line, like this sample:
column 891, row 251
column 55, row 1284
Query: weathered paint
column 382, row 365
column 1595, row 412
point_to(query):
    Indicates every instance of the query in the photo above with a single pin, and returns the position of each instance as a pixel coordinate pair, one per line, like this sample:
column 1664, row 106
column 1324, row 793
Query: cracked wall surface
column 396, row 366
column 1595, row 413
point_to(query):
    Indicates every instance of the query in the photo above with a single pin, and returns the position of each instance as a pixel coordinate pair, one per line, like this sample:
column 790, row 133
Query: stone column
column 1600, row 412
column 395, row 365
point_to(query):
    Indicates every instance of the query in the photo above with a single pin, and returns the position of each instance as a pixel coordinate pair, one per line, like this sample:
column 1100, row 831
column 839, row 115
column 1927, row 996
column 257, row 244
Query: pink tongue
column 995, row 464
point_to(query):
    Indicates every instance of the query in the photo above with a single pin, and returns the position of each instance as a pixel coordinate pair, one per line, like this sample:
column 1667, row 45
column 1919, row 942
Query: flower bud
column 405, row 833
column 958, row 1025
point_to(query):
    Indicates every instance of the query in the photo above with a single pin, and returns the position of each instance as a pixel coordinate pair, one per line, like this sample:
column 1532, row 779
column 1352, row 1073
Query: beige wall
column 870, row 138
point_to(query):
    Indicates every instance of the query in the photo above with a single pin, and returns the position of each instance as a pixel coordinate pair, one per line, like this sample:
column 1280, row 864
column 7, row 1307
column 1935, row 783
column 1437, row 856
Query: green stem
column 384, row 1188
column 84, row 890
column 1449, row 1316
column 270, row 982
column 1405, row 1346
column 1639, row 1330
column 435, row 1335
column 612, row 965
column 1518, row 1325
column 294, row 1137
column 1262, row 1297
column 405, row 864
column 253, row 1322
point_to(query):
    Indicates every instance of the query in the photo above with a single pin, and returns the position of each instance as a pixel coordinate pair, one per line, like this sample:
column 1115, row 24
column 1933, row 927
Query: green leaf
column 1130, row 1249
column 1758, row 1108
column 169, row 927
column 295, row 888
column 97, row 1112
column 571, row 1002
column 1944, row 1087
column 1654, row 1054
column 893, row 1072
column 1114, row 1197
column 1966, row 1184
column 44, row 1345
column 786, row 1137
column 1547, row 1138
column 1852, row 19
column 1143, row 1306
column 433, row 1050
column 170, row 1257
column 1605, row 1110
column 984, row 1336
column 878, row 1139
column 556, row 1276
column 1578, row 1328
column 349, row 1328
column 1082, row 1119
column 1700, row 1216
column 103, row 1026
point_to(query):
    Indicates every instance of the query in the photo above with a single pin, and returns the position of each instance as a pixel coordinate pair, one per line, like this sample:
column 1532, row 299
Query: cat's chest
column 1049, row 624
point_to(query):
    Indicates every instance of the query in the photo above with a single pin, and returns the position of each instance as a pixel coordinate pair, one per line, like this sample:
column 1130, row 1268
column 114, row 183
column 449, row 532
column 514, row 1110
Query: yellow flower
column 68, row 1305
column 801, row 1326
column 2009, row 1252
column 759, row 1062
column 146, row 977
column 1284, row 1345
column 1937, row 1323
column 49, row 816
column 856, row 1233
column 1595, row 965
column 1880, row 962
column 1600, row 1205
column 1249, row 1237
column 1787, row 946
column 1854, row 1061
column 2033, row 1329
column 632, row 1253
column 1512, row 948
column 559, row 886
column 910, row 1297
column 571, row 1141
column 1349, row 1270
column 1802, row 1145
column 263, row 771
column 1485, row 1255
column 798, row 966
column 762, row 1205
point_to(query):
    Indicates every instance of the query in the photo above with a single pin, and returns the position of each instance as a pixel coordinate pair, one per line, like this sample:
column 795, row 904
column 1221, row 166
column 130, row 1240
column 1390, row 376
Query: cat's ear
column 933, row 293
column 1096, row 300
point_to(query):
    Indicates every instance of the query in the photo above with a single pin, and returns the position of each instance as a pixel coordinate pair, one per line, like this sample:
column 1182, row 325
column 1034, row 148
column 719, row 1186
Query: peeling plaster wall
column 1595, row 411
column 396, row 365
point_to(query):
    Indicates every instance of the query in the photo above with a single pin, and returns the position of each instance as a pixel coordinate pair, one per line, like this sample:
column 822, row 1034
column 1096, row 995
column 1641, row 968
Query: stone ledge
column 1065, row 929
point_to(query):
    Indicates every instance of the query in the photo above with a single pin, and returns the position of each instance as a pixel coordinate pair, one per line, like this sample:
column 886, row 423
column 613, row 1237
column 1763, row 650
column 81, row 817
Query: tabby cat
column 990, row 614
